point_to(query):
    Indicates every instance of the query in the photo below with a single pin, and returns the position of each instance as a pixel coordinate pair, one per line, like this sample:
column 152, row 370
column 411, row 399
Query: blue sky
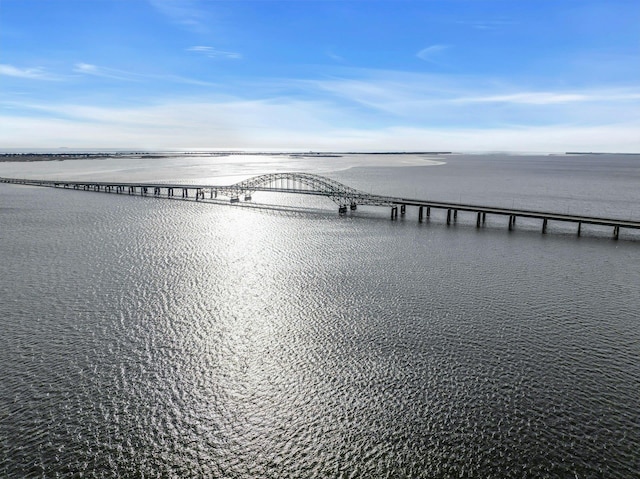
column 368, row 75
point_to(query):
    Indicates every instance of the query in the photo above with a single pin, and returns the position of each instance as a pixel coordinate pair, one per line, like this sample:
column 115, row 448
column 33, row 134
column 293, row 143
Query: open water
column 145, row 337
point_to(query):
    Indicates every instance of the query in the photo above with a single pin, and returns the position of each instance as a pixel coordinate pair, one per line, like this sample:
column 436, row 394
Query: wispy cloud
column 105, row 72
column 29, row 73
column 185, row 13
column 364, row 109
column 550, row 98
column 458, row 101
column 432, row 53
column 487, row 24
column 335, row 56
column 287, row 125
column 212, row 52
column 122, row 75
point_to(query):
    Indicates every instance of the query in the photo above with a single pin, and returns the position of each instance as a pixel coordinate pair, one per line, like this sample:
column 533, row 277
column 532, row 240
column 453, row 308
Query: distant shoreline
column 104, row 155
column 30, row 157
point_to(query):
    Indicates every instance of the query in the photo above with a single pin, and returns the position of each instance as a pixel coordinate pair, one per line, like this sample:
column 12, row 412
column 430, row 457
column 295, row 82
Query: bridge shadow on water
column 282, row 210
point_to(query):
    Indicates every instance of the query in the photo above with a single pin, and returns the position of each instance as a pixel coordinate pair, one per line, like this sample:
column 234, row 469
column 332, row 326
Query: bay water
column 147, row 337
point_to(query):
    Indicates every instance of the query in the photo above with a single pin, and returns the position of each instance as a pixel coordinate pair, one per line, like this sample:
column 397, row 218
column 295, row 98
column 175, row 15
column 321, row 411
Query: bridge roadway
column 344, row 196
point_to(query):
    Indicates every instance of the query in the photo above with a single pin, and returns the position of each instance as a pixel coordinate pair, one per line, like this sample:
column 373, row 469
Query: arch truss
column 305, row 183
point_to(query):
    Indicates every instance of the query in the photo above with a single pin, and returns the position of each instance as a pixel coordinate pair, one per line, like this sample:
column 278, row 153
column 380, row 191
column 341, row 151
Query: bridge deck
column 346, row 196
column 596, row 220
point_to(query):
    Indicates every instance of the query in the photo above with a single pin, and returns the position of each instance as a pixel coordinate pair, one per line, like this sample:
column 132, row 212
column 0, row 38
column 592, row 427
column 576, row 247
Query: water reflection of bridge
column 310, row 184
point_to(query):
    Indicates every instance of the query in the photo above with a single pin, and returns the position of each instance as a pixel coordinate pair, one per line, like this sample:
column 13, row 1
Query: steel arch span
column 306, row 183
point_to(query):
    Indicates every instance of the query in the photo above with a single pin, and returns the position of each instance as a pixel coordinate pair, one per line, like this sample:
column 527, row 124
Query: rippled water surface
column 144, row 337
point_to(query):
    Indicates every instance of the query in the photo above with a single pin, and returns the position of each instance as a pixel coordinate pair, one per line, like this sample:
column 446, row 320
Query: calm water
column 144, row 337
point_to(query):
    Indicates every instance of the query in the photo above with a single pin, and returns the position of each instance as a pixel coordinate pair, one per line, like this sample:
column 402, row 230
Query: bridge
column 343, row 196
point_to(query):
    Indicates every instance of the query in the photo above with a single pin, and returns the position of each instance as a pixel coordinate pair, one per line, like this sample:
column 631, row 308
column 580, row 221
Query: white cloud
column 105, row 72
column 431, row 53
column 86, row 68
column 211, row 52
column 335, row 56
column 367, row 110
column 549, row 98
column 186, row 13
column 30, row 73
column 444, row 100
column 487, row 24
column 287, row 124
column 116, row 74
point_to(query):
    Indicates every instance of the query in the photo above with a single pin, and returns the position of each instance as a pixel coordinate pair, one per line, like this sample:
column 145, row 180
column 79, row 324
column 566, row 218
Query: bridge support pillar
column 616, row 232
column 342, row 210
column 579, row 227
column 403, row 209
column 185, row 192
column 484, row 217
column 544, row 226
column 394, row 212
column 448, row 217
column 420, row 214
column 512, row 222
column 353, row 206
column 478, row 219
column 428, row 211
column 455, row 215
